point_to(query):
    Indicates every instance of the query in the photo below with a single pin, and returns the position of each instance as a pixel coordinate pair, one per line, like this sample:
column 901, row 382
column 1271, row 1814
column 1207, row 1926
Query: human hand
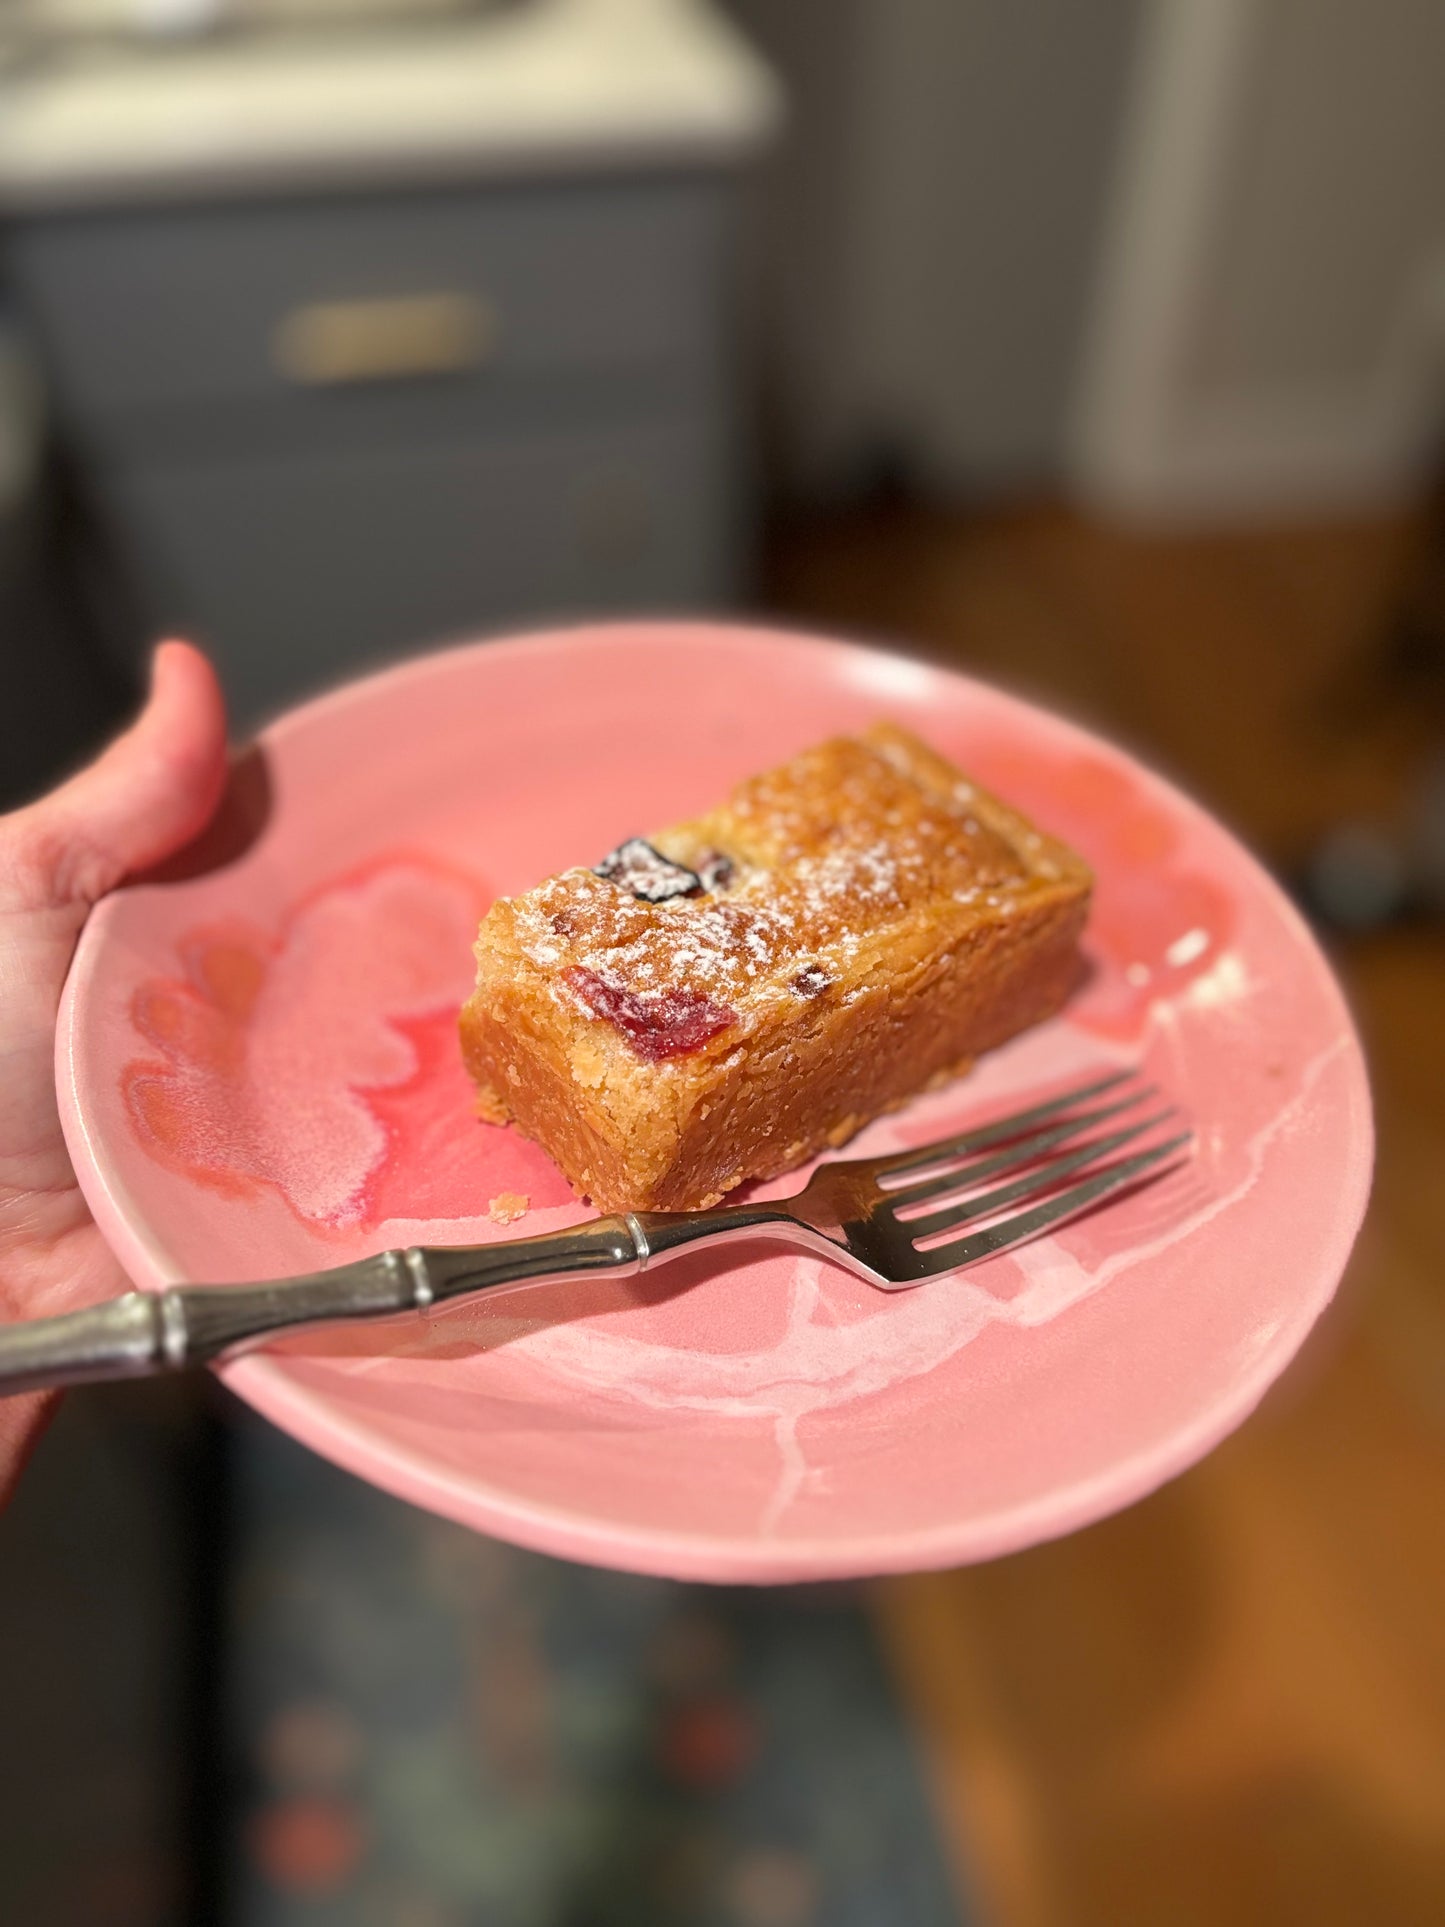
column 144, row 798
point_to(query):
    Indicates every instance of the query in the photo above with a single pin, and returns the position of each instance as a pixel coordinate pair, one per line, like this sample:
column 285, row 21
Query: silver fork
column 866, row 1213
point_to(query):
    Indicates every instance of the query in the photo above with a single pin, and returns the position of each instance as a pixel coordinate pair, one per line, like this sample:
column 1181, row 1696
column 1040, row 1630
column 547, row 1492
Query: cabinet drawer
column 179, row 307
column 301, row 570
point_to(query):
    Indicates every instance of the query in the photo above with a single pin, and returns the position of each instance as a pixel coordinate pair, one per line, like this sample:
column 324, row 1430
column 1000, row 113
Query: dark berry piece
column 656, row 1023
column 647, row 873
column 812, row 981
column 715, row 871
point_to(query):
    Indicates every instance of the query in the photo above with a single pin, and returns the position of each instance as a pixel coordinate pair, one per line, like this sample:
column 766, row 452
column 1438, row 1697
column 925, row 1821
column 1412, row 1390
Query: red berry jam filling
column 656, row 1023
column 811, row 982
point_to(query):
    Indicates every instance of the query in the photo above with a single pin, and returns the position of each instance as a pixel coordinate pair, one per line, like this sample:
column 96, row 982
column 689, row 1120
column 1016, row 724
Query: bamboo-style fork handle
column 187, row 1325
column 866, row 1213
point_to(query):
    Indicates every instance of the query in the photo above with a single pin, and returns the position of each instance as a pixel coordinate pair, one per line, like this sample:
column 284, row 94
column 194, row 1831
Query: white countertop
column 556, row 85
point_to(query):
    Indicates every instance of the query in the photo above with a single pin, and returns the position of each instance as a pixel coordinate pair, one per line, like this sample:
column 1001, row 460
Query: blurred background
column 1099, row 350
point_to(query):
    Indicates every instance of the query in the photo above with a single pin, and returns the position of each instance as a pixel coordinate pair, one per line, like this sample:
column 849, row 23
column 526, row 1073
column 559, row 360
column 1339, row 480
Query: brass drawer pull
column 329, row 343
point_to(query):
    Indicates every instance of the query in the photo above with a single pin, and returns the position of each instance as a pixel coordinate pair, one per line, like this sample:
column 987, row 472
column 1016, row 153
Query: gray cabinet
column 334, row 428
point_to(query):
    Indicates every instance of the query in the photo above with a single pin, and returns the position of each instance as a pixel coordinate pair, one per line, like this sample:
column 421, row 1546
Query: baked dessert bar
column 737, row 993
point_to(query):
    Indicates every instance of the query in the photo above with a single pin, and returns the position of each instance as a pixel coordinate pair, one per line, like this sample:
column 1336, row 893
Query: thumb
column 143, row 798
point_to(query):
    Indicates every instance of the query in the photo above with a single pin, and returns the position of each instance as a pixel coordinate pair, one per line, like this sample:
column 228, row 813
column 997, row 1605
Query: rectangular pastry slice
column 746, row 990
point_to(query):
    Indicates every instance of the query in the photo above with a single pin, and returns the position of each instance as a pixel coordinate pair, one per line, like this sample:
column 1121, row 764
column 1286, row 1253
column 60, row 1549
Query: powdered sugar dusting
column 814, row 865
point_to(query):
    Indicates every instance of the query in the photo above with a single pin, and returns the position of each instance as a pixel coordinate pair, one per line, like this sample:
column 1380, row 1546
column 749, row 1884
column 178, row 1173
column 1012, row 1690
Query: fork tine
column 1054, row 1210
column 983, row 1203
column 1022, row 1151
column 983, row 1136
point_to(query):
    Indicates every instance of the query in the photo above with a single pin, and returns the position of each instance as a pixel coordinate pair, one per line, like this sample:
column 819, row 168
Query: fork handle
column 186, row 1325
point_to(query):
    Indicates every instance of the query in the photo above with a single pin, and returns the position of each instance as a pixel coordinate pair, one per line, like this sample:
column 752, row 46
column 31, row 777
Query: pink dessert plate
column 259, row 1075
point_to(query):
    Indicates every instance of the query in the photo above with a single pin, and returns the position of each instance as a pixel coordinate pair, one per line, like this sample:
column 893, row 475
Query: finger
column 143, row 798
column 22, row 1420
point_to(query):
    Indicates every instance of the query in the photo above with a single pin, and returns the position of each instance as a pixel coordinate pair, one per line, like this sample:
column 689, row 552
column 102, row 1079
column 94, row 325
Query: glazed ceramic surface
column 259, row 1075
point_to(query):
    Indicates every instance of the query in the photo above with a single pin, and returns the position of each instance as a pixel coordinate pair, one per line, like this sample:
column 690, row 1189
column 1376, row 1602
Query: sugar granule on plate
column 507, row 1207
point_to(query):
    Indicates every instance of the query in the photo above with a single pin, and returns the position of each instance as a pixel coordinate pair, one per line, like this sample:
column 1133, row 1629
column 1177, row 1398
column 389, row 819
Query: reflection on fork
column 897, row 1217
column 1044, row 1145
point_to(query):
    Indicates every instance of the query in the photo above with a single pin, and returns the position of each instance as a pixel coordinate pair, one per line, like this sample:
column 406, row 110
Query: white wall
column 1268, row 334
column 931, row 221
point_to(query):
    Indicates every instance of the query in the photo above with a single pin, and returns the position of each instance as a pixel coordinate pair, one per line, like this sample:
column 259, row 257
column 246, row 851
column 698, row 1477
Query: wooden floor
column 1228, row 1704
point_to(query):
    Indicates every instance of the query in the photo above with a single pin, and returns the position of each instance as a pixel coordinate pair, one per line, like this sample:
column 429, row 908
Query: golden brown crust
column 884, row 921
